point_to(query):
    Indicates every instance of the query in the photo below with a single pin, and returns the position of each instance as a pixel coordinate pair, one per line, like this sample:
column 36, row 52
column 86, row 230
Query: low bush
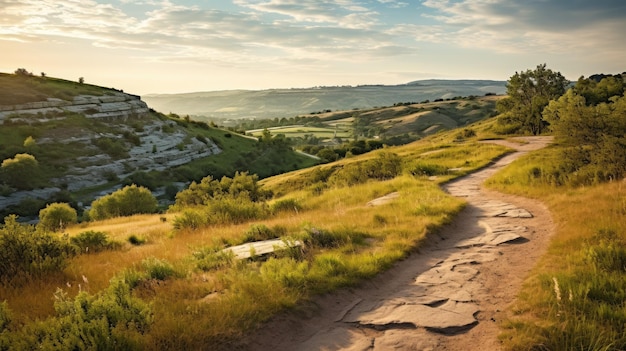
column 92, row 241
column 259, row 232
column 111, row 320
column 286, row 205
column 191, row 218
column 26, row 251
column 158, row 269
column 211, row 258
column 321, row 238
column 129, row 200
column 57, row 216
column 136, row 240
column 420, row 168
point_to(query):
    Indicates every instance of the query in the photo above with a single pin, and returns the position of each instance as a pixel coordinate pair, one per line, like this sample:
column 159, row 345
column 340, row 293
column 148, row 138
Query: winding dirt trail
column 449, row 296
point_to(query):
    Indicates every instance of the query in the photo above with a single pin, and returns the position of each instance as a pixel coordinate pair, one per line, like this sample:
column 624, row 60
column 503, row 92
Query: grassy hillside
column 574, row 298
column 18, row 89
column 198, row 296
column 332, row 135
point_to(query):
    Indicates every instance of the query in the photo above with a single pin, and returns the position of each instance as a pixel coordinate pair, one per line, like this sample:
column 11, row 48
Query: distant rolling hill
column 272, row 103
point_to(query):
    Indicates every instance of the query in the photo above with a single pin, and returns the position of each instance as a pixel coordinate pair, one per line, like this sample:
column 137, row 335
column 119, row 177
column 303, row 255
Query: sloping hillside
column 86, row 141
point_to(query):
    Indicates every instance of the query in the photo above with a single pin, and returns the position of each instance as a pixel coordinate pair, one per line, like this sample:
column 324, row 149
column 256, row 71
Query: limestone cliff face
column 160, row 144
column 115, row 105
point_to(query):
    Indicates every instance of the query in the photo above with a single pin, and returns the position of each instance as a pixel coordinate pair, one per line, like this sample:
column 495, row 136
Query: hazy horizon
column 183, row 46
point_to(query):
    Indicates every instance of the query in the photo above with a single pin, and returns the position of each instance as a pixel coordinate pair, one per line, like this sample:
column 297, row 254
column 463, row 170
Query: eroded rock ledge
column 115, row 105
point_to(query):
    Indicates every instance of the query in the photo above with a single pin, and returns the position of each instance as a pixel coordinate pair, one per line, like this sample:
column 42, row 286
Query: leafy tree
column 596, row 92
column 529, row 93
column 56, row 216
column 21, row 171
column 129, row 200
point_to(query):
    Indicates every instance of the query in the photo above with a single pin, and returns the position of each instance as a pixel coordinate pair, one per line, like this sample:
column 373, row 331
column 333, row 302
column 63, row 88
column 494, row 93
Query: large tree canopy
column 529, row 93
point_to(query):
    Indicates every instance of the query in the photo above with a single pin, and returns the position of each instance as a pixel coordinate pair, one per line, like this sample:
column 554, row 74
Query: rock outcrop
column 159, row 144
column 115, row 105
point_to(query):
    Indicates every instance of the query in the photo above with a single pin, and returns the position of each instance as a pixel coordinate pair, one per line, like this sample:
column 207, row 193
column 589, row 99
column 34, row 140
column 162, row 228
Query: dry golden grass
column 585, row 218
column 198, row 308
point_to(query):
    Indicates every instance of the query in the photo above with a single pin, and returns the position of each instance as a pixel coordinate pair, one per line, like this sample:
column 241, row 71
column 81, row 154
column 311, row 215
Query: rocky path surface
column 449, row 296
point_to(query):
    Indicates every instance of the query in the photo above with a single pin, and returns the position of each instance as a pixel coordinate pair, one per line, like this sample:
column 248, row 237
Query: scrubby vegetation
column 165, row 282
column 575, row 297
column 201, row 295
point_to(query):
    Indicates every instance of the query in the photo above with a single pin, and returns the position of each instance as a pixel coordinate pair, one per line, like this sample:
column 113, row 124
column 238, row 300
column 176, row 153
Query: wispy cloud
column 309, row 28
column 514, row 26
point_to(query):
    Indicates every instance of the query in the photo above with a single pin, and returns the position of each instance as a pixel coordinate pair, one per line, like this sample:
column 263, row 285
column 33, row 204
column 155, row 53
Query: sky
column 176, row 46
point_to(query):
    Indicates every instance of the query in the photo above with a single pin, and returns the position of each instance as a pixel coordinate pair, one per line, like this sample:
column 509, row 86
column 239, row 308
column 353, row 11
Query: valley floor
column 451, row 295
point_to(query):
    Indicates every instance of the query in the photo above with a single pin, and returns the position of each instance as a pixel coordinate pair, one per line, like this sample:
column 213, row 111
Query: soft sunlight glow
column 183, row 45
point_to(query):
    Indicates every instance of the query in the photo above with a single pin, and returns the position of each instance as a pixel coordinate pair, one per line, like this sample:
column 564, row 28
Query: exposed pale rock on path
column 447, row 297
column 260, row 248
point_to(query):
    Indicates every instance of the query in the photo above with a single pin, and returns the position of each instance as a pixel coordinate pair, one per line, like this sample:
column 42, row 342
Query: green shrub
column 260, row 232
column 111, row 320
column 235, row 210
column 427, row 169
column 323, row 238
column 210, row 258
column 56, row 216
column 26, row 251
column 113, row 147
column 22, row 172
column 158, row 269
column 143, row 179
column 286, row 205
column 191, row 218
column 130, row 200
column 92, row 241
column 132, row 277
column 135, row 240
